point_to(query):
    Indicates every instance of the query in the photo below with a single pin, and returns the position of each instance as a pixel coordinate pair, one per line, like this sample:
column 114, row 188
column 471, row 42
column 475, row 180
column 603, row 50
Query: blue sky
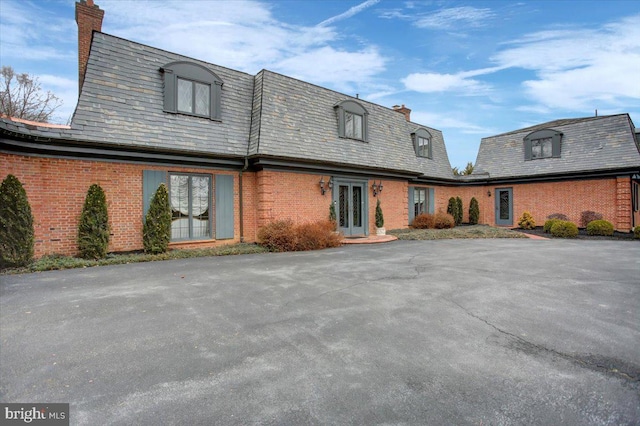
column 469, row 68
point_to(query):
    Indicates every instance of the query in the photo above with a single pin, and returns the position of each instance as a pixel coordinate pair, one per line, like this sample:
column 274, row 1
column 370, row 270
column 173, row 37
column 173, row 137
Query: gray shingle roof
column 588, row 144
column 297, row 120
column 122, row 102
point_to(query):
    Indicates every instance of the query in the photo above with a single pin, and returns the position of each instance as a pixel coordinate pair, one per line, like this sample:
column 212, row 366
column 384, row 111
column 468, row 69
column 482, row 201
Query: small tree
column 379, row 216
column 466, row 171
column 452, row 208
column 93, row 230
column 156, row 232
column 22, row 97
column 474, row 211
column 16, row 224
column 332, row 215
column 460, row 211
column 526, row 221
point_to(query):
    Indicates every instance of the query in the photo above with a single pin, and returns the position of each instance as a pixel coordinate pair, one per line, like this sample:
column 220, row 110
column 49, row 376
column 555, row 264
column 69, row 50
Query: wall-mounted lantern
column 377, row 188
column 323, row 189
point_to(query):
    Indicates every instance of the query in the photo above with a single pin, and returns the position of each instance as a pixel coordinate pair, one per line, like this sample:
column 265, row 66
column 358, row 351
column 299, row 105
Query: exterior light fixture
column 323, row 189
column 377, row 188
column 489, row 193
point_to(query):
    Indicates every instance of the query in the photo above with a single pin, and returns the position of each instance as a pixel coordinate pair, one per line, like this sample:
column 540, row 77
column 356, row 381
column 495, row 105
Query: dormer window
column 352, row 120
column 544, row 143
column 422, row 143
column 191, row 89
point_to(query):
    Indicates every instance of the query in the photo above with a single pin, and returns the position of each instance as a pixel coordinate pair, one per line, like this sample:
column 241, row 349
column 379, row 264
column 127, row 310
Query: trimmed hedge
column 636, row 232
column 564, row 229
column 474, row 211
column 600, row 227
column 423, row 221
column 452, row 209
column 283, row 235
column 443, row 221
column 16, row 224
column 156, row 232
column 588, row 216
column 548, row 224
column 558, row 216
column 459, row 211
column 526, row 221
column 93, row 229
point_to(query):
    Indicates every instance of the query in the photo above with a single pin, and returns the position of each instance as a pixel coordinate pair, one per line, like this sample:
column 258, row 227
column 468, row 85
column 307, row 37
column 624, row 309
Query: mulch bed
column 582, row 234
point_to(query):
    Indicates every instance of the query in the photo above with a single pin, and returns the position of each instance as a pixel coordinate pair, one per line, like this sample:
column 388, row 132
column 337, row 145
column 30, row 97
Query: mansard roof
column 591, row 144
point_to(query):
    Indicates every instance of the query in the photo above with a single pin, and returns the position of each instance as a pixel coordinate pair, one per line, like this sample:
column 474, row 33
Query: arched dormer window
column 191, row 89
column 545, row 143
column 352, row 120
column 422, row 142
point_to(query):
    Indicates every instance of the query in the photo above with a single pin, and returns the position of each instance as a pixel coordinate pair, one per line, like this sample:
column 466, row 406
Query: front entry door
column 350, row 201
column 504, row 206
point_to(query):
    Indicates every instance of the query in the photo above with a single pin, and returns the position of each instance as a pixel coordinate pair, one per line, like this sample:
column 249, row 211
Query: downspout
column 244, row 168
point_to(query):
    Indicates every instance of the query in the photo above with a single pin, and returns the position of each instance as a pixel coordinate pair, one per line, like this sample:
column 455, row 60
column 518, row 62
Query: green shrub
column 332, row 216
column 443, row 221
column 636, row 232
column 16, row 224
column 452, row 208
column 564, row 229
column 379, row 216
column 283, row 235
column 558, row 216
column 156, row 232
column 589, row 216
column 600, row 227
column 93, row 229
column 526, row 221
column 423, row 221
column 474, row 211
column 459, row 211
column 548, row 224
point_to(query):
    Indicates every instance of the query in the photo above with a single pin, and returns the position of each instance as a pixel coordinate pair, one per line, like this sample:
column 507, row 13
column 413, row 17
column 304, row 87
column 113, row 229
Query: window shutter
column 224, row 206
column 555, row 145
column 216, row 94
column 411, row 205
column 527, row 149
column 169, row 91
column 432, row 201
column 365, row 126
column 340, row 113
column 151, row 180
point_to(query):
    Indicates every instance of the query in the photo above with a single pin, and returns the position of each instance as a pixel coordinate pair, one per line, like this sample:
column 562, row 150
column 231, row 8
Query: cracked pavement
column 411, row 332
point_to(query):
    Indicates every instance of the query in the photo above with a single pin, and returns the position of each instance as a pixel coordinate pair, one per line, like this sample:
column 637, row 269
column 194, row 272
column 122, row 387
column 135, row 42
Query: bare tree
column 467, row 170
column 22, row 97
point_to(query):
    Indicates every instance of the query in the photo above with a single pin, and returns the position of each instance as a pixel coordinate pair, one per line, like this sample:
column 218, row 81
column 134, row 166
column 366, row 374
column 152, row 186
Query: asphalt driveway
column 412, row 332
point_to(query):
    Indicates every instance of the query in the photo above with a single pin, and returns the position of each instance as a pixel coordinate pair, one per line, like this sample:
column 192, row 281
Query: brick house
column 238, row 151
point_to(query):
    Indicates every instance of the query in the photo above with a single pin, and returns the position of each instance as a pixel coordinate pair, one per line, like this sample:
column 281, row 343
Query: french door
column 350, row 200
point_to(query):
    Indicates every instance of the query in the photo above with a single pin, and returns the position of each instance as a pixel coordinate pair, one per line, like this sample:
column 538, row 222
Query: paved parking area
column 471, row 332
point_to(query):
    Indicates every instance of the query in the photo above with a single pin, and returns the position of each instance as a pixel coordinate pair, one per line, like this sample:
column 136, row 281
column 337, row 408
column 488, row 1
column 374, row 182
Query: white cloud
column 579, row 69
column 434, row 82
column 447, row 121
column 349, row 13
column 454, row 17
column 326, row 65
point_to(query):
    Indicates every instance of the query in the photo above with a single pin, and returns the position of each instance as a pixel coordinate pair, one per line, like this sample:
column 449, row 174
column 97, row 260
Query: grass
column 56, row 262
column 461, row 232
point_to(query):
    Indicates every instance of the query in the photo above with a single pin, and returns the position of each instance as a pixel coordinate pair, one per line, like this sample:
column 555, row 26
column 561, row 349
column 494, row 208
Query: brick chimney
column 403, row 110
column 89, row 19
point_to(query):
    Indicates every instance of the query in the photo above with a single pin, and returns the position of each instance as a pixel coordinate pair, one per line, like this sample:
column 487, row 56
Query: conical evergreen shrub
column 452, row 209
column 16, row 224
column 93, row 230
column 474, row 211
column 379, row 215
column 460, row 211
column 156, row 232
